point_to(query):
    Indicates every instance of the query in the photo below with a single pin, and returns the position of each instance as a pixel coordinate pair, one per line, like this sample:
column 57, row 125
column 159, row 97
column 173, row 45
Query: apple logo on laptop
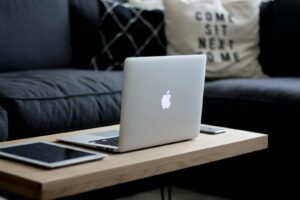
column 166, row 100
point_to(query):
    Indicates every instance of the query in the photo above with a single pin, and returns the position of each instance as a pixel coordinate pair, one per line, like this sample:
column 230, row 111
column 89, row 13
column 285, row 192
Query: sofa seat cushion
column 278, row 91
column 40, row 102
column 264, row 105
column 3, row 125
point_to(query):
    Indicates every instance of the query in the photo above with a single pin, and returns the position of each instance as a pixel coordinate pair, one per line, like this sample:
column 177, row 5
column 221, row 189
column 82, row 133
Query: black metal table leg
column 162, row 194
column 169, row 192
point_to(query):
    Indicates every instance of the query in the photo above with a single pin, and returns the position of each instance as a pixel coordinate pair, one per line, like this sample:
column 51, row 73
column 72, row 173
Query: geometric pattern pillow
column 126, row 31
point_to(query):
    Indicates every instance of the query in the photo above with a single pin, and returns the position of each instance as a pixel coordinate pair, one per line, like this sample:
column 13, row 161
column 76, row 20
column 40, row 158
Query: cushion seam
column 62, row 97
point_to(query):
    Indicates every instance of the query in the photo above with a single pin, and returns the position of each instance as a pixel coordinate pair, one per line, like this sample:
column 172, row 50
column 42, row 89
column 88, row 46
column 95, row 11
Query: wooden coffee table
column 39, row 183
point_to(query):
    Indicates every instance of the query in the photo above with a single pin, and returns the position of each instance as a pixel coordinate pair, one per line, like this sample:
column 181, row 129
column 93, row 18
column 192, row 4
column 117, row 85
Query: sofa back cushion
column 84, row 21
column 34, row 34
column 280, row 32
column 265, row 34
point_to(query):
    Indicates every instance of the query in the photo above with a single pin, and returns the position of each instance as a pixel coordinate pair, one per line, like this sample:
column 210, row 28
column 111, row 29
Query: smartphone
column 211, row 130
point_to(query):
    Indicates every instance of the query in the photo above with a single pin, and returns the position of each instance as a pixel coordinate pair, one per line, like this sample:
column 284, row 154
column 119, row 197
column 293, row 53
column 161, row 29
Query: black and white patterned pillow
column 125, row 31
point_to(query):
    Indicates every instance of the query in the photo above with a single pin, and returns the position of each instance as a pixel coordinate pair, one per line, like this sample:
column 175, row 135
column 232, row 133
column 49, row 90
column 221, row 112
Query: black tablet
column 48, row 154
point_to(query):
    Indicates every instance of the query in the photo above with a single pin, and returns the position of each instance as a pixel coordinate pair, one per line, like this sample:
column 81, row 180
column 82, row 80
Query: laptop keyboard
column 114, row 141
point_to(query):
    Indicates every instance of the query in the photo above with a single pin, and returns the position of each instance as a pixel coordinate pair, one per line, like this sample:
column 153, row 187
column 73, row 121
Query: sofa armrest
column 3, row 125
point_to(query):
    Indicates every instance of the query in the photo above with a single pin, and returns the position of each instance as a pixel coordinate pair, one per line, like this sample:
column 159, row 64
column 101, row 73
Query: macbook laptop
column 161, row 103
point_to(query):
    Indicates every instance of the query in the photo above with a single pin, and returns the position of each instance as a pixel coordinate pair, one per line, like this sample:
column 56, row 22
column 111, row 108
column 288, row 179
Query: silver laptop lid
column 161, row 100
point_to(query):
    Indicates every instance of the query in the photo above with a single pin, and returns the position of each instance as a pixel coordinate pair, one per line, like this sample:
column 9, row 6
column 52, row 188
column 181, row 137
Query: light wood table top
column 39, row 183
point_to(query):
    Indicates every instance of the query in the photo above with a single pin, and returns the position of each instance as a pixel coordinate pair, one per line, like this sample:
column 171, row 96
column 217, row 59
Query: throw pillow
column 227, row 31
column 125, row 31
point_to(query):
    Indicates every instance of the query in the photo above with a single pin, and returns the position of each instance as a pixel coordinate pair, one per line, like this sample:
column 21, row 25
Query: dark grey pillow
column 125, row 31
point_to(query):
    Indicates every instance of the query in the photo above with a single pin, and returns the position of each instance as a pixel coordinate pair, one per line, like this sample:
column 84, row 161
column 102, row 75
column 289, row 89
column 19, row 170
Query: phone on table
column 211, row 129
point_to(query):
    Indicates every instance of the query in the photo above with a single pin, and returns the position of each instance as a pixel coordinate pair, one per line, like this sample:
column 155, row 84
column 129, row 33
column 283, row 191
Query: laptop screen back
column 161, row 100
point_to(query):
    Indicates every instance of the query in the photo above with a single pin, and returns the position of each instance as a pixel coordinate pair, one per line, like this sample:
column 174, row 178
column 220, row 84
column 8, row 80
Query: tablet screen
column 44, row 152
column 48, row 154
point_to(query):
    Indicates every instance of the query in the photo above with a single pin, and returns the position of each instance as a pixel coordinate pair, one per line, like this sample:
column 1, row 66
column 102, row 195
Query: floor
column 177, row 194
